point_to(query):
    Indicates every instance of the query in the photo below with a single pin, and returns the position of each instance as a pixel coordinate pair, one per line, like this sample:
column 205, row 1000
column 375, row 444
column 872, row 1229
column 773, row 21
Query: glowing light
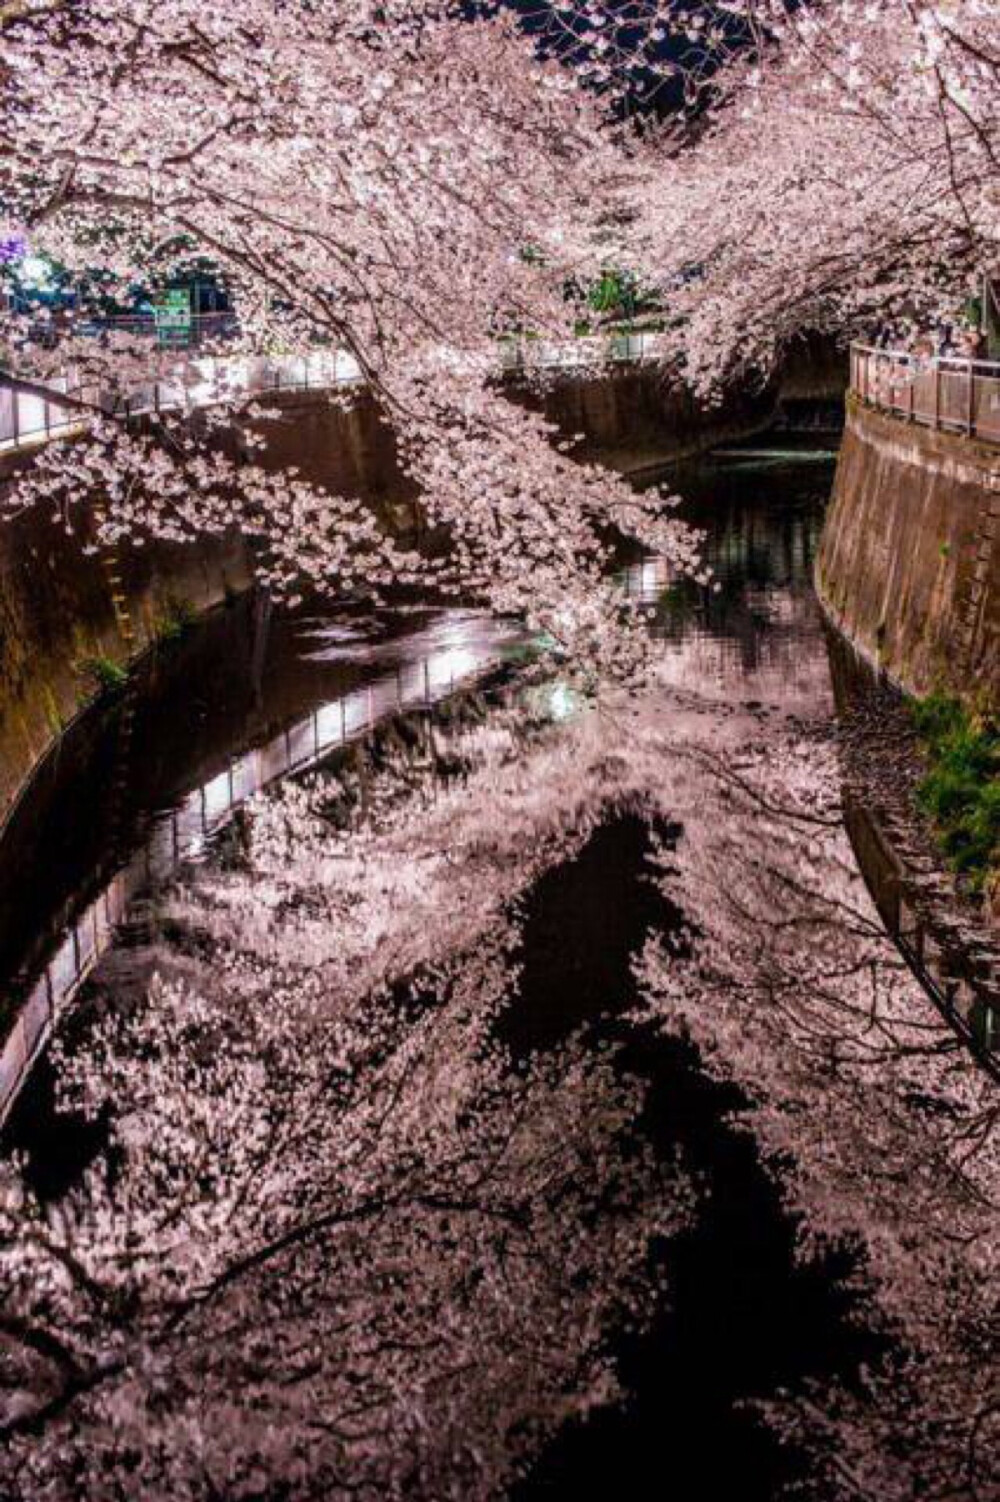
column 36, row 272
column 12, row 246
column 562, row 702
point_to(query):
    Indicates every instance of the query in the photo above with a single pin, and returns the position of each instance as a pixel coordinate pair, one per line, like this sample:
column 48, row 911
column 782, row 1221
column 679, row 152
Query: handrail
column 910, row 357
column 948, row 393
column 184, row 832
column 29, row 415
column 193, row 332
column 969, row 1001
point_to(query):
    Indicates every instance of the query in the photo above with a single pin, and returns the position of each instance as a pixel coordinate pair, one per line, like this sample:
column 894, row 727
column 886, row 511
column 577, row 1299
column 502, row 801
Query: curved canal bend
column 569, row 1256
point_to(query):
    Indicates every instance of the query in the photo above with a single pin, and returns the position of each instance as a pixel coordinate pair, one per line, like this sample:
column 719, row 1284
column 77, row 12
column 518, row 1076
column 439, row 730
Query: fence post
column 970, row 412
column 937, row 394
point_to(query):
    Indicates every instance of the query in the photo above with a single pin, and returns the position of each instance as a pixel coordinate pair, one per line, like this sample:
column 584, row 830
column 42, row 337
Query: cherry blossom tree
column 341, row 1241
column 881, row 1131
column 341, row 1238
column 839, row 172
column 333, row 1207
column 406, row 183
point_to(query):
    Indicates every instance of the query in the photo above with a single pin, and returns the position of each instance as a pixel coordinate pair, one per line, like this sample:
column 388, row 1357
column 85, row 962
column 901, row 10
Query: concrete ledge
column 56, row 606
column 909, row 563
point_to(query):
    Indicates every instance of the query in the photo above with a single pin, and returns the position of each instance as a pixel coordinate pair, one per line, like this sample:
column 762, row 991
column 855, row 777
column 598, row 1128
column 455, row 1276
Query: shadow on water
column 58, row 1146
column 741, row 1319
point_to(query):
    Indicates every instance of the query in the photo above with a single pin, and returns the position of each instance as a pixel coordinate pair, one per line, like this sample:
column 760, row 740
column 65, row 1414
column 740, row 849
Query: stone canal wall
column 58, row 610
column 59, row 616
column 909, row 563
column 635, row 419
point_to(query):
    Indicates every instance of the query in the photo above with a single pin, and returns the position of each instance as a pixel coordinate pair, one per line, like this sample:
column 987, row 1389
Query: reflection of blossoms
column 341, row 1242
column 878, row 1124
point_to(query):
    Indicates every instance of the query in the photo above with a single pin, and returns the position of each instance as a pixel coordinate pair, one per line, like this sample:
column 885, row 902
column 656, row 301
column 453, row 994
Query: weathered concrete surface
column 635, row 419
column 56, row 600
column 344, row 446
column 909, row 563
column 632, row 418
column 814, row 367
column 56, row 611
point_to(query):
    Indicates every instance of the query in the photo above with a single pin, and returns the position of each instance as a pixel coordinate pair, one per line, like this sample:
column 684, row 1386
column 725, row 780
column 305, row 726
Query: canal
column 463, row 1090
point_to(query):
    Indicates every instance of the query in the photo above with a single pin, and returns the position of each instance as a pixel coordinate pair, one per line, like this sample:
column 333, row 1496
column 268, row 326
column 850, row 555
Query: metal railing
column 942, row 392
column 592, row 350
column 183, row 833
column 194, row 331
column 968, row 1001
column 32, row 413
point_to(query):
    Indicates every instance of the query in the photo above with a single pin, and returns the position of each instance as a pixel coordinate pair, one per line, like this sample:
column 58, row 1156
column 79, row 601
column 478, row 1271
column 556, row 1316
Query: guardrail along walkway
column 945, row 393
column 31, row 412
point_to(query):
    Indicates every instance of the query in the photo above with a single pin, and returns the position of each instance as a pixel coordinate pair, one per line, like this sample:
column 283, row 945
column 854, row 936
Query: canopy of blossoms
column 415, row 183
column 839, row 171
column 345, row 1239
column 408, row 183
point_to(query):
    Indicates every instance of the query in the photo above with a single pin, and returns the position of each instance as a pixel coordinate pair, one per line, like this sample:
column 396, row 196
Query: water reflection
column 429, row 663
column 416, row 1205
column 755, row 630
column 758, row 620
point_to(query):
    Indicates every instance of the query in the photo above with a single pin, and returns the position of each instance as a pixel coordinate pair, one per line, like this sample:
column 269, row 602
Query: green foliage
column 961, row 791
column 104, row 674
column 616, row 291
column 178, row 617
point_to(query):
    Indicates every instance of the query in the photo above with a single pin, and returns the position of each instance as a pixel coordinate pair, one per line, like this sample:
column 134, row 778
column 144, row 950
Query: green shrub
column 178, row 617
column 961, row 790
column 104, row 674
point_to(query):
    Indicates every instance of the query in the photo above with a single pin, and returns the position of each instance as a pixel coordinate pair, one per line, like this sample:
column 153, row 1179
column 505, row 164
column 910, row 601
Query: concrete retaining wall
column 909, row 563
column 635, row 419
column 57, row 611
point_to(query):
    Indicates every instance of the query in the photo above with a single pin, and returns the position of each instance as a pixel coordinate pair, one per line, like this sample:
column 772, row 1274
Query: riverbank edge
column 946, row 937
column 907, row 577
column 908, row 568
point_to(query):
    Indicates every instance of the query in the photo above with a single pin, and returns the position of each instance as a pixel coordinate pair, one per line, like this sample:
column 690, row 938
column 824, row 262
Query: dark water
column 250, row 683
column 742, row 1318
